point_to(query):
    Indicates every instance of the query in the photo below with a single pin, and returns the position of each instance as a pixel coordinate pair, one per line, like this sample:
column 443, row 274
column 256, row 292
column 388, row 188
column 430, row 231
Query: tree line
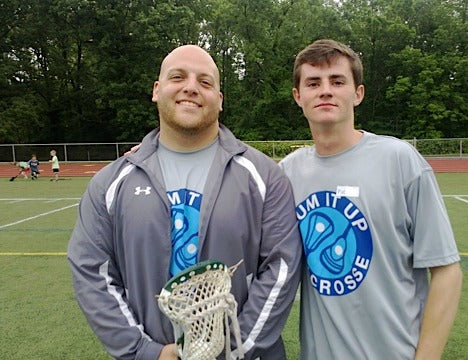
column 83, row 70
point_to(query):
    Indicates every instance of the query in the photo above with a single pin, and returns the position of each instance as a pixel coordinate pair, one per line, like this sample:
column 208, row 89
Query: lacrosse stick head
column 197, row 301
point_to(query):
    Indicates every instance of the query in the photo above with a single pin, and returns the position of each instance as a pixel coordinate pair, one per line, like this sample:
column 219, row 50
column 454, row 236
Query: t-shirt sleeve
column 433, row 239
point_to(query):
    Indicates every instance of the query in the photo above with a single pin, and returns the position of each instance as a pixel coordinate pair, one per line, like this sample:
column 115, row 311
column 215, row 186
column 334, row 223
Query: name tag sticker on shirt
column 348, row 191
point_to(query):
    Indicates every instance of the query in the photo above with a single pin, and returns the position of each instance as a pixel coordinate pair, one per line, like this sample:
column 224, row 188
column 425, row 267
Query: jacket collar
column 150, row 143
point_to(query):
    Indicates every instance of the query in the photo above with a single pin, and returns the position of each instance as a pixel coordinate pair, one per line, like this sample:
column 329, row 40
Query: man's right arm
column 440, row 310
column 98, row 286
column 168, row 353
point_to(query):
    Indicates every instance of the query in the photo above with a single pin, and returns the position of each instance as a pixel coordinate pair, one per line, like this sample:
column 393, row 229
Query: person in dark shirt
column 34, row 166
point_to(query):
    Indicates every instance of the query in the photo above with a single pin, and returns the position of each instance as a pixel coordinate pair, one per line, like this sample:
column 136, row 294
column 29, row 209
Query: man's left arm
column 440, row 310
column 274, row 287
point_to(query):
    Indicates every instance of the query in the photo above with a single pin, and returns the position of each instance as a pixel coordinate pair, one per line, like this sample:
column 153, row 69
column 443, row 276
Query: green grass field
column 39, row 318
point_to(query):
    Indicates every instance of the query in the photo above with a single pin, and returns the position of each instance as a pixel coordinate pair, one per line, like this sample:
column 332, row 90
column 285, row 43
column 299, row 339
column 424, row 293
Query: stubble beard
column 187, row 128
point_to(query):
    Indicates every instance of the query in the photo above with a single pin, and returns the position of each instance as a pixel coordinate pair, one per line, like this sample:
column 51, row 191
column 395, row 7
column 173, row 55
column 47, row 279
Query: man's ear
column 359, row 95
column 221, row 97
column 297, row 96
column 155, row 92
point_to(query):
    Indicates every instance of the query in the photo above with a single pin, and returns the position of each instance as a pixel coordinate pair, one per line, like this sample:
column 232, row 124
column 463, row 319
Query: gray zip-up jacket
column 120, row 249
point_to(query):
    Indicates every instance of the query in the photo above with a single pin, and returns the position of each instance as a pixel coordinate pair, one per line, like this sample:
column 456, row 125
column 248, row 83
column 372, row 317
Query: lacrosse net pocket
column 199, row 304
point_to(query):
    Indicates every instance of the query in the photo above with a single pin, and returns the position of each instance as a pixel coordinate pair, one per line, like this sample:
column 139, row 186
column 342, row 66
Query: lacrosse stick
column 197, row 301
column 14, row 177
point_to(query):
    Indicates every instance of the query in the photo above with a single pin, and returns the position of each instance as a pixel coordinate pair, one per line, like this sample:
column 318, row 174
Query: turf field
column 39, row 318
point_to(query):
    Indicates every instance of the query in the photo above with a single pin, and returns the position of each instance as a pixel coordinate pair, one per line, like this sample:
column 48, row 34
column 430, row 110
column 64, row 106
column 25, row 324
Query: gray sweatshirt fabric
column 372, row 221
column 120, row 249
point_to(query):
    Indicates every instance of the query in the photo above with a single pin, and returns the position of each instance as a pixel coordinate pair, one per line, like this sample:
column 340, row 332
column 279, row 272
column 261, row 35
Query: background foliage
column 82, row 71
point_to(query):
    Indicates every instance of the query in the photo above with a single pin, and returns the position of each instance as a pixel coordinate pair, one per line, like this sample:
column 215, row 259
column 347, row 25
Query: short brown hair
column 324, row 51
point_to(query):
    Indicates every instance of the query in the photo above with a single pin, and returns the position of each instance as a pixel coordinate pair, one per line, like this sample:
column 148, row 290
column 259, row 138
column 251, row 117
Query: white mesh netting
column 199, row 305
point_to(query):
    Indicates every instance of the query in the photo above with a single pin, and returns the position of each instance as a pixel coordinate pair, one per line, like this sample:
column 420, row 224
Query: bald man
column 192, row 192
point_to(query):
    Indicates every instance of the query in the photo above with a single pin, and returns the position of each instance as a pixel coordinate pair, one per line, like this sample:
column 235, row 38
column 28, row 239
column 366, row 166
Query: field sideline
column 39, row 317
column 80, row 169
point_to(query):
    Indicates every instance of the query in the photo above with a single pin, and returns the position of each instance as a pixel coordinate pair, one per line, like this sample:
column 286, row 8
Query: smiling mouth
column 188, row 103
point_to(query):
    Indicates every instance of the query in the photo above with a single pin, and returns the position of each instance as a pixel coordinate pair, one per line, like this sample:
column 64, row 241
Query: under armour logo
column 139, row 190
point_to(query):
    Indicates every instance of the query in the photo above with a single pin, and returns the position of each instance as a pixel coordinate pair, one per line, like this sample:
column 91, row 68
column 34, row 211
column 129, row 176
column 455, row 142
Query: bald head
column 190, row 56
column 189, row 99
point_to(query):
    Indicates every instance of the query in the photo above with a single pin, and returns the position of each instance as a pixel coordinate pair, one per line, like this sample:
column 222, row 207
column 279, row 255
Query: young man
column 192, row 192
column 372, row 221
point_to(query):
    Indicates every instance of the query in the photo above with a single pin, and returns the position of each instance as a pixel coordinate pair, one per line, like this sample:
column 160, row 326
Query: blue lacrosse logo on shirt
column 337, row 242
column 185, row 215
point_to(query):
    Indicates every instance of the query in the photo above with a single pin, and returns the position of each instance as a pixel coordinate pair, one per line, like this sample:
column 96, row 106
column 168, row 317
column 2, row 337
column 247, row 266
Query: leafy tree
column 80, row 70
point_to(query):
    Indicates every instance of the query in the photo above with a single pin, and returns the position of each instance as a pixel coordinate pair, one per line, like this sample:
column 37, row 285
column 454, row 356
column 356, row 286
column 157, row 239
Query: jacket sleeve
column 98, row 285
column 273, row 289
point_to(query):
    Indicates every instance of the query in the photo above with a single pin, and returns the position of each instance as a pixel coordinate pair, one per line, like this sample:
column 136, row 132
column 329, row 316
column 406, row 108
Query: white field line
column 461, row 199
column 37, row 216
column 41, row 199
column 457, row 197
column 33, row 254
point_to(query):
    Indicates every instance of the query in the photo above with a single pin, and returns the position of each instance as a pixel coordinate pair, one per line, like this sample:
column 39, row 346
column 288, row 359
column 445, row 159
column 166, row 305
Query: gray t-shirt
column 185, row 176
column 372, row 221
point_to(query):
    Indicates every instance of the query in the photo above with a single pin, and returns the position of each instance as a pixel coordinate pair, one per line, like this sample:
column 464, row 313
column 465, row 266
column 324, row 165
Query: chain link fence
column 83, row 152
column 94, row 152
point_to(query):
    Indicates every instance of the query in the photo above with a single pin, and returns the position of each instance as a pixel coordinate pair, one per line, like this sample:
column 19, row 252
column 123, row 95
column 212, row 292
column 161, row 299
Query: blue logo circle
column 337, row 242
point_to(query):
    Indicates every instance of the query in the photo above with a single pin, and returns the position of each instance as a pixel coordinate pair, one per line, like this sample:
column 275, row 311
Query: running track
column 89, row 169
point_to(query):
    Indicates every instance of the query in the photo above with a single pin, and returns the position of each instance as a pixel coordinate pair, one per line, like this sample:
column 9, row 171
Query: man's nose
column 325, row 89
column 191, row 85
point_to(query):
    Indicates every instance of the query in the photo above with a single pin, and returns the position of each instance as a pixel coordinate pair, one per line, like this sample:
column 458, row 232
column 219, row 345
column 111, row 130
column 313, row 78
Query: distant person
column 34, row 166
column 23, row 170
column 55, row 165
column 373, row 223
column 192, row 192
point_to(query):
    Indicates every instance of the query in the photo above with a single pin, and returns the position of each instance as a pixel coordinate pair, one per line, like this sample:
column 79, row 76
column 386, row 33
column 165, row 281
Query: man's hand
column 132, row 150
column 169, row 352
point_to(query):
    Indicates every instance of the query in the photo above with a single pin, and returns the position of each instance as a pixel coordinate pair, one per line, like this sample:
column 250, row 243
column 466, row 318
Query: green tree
column 80, row 70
